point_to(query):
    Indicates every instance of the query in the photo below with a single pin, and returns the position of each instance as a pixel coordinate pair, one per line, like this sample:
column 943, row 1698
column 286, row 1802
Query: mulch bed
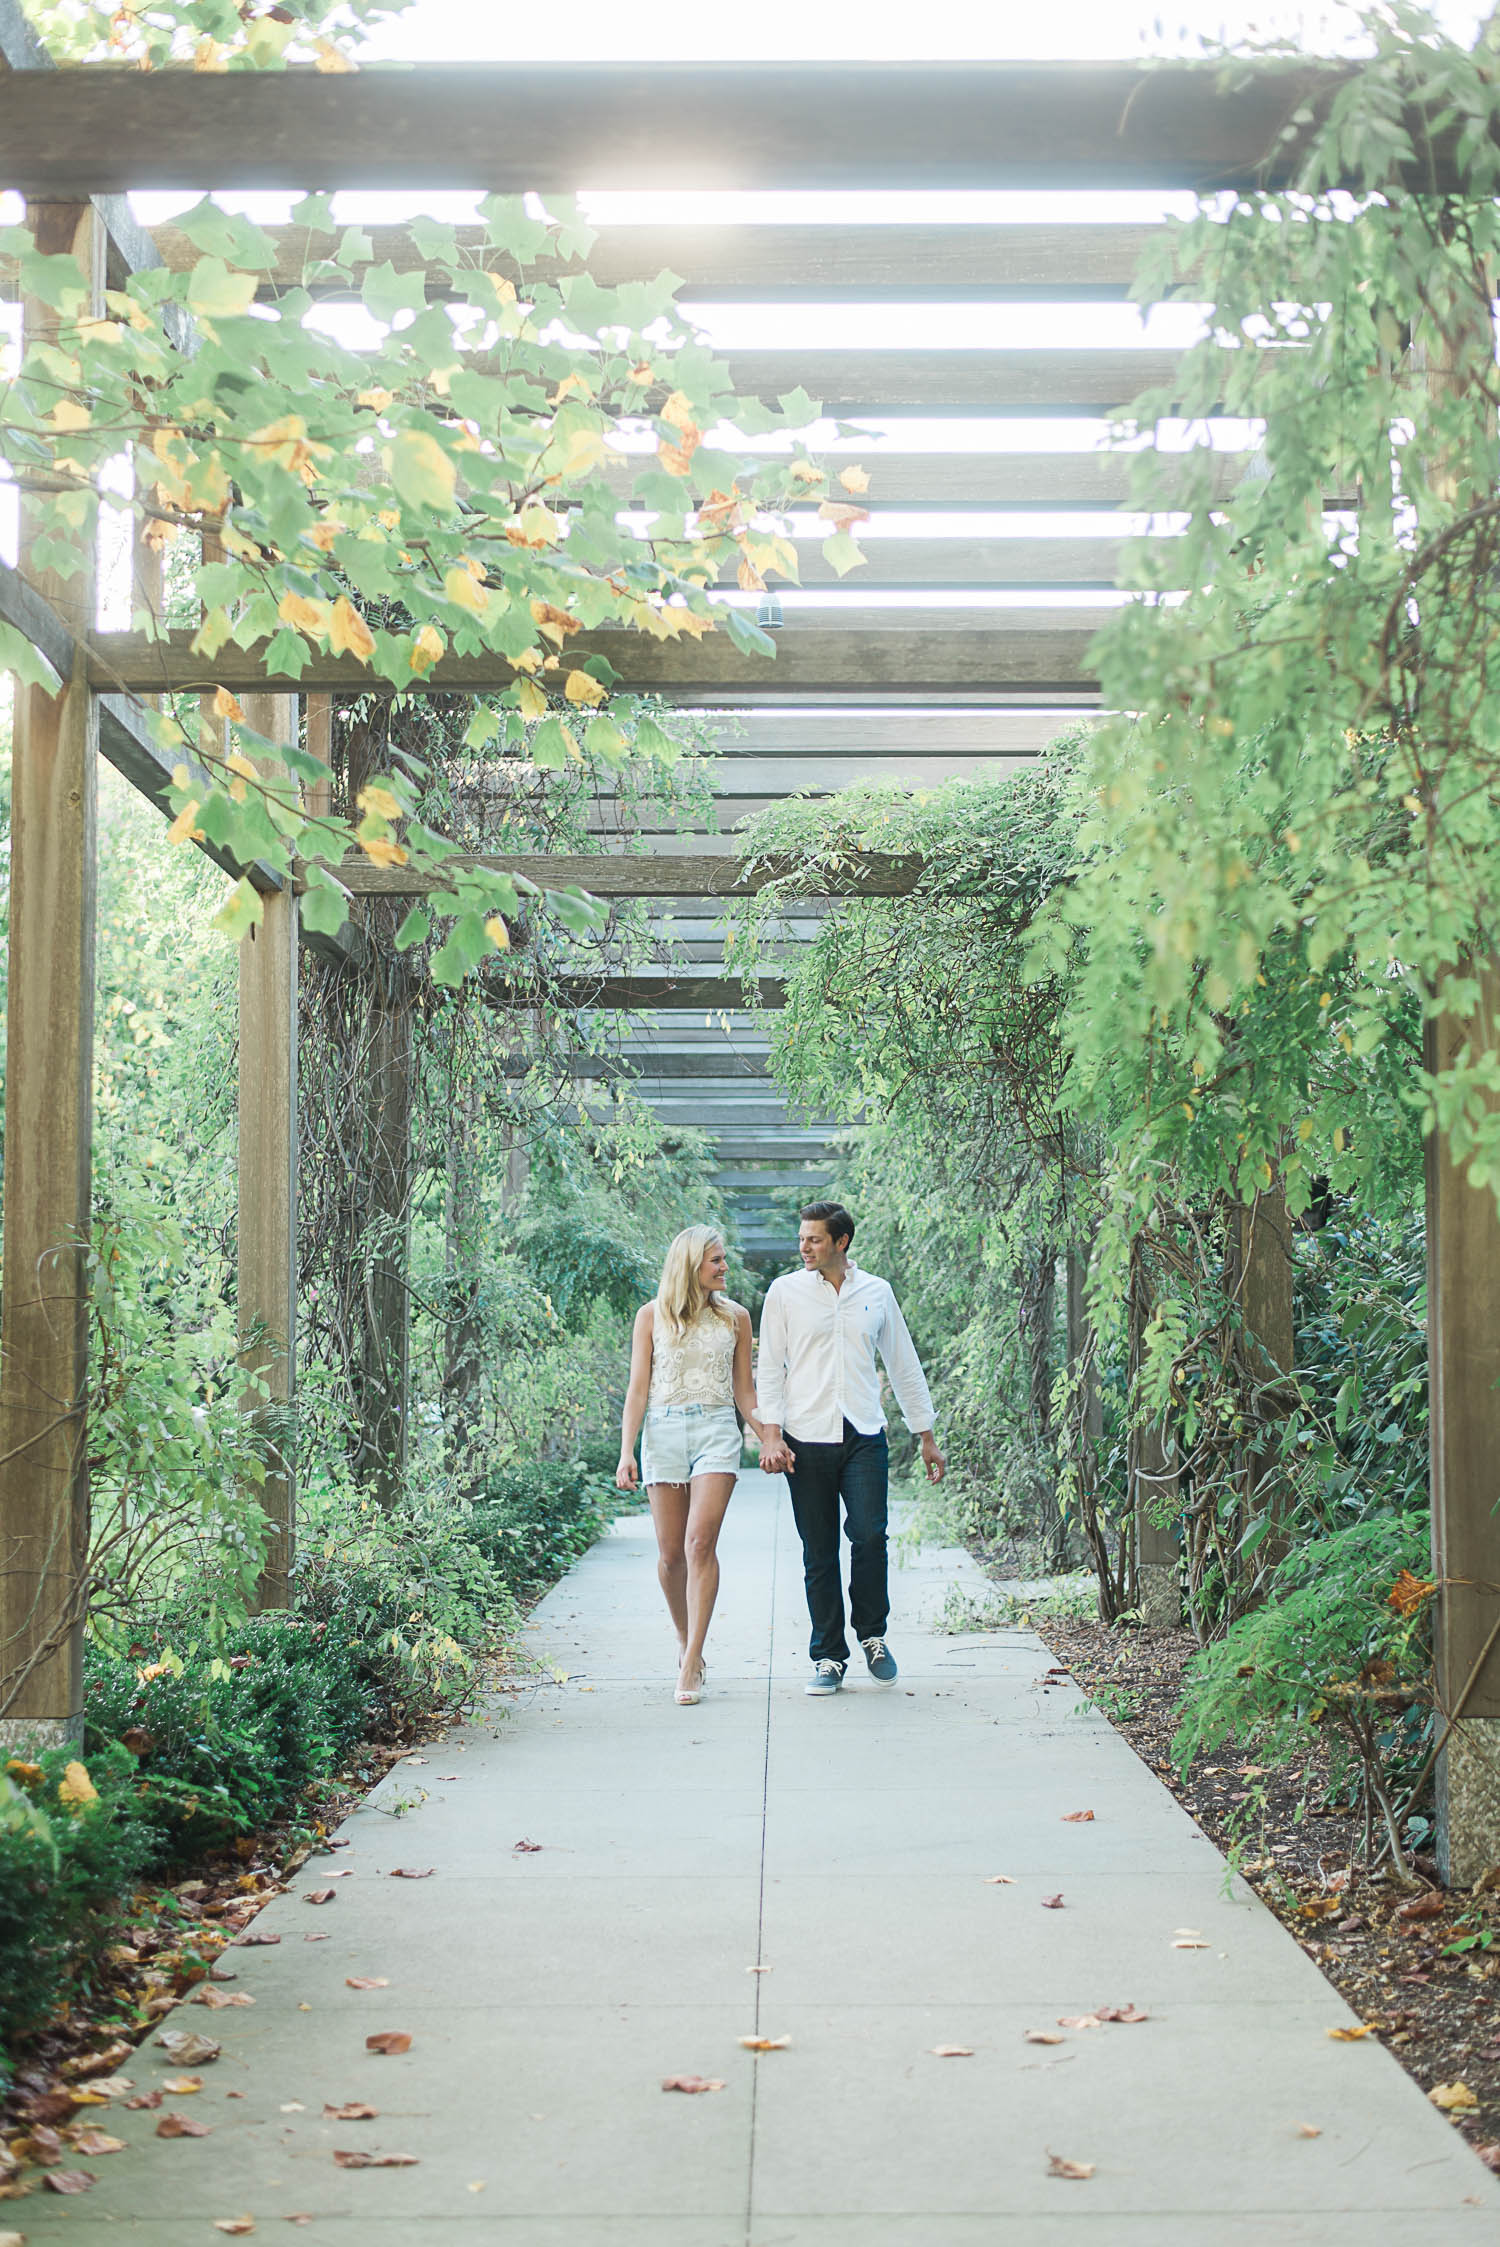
column 1384, row 1947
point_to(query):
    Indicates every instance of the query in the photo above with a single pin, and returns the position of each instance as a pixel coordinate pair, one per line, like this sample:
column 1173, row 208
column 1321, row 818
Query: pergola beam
column 664, row 994
column 720, row 874
column 672, row 125
column 870, row 652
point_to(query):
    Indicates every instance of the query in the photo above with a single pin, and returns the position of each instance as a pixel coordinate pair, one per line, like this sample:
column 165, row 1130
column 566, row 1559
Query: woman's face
column 715, row 1265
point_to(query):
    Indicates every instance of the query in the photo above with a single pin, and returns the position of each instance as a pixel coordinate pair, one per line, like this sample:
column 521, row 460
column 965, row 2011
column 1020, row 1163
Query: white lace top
column 696, row 1368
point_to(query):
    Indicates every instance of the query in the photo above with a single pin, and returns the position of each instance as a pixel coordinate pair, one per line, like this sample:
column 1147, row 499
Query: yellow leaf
column 854, row 480
column 304, row 615
column 68, row 414
column 807, row 472
column 427, row 647
column 530, row 700
column 75, row 1785
column 750, row 579
column 1453, row 2098
column 239, row 764
column 377, row 400
column 678, row 413
column 841, row 515
column 558, row 624
column 24, row 1774
column 583, row 451
column 225, row 706
column 348, row 633
column 583, row 687
column 182, row 827
column 462, row 589
column 380, row 852
column 504, row 289
column 572, row 385
column 209, row 55
column 326, row 57
column 536, row 525
column 497, row 932
column 379, row 802
column 1351, row 2036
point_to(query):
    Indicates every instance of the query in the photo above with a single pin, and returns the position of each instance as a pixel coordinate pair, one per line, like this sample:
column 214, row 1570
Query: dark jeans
column 856, row 1470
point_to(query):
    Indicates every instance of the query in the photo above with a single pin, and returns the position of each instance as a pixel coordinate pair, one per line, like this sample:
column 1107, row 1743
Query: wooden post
column 1463, row 1342
column 384, row 1094
column 44, row 1498
column 1261, row 1271
column 268, row 1179
column 1151, row 1474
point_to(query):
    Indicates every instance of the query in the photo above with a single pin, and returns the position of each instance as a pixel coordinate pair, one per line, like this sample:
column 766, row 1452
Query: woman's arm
column 627, row 1474
column 744, row 1385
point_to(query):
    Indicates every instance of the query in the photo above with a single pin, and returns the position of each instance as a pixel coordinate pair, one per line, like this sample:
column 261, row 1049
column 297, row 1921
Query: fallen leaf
column 760, row 1969
column 238, row 2227
column 765, row 2043
column 952, row 2051
column 1121, row 2013
column 1424, row 1907
column 92, row 2143
column 1453, row 2098
column 998, row 1880
column 146, row 2099
column 388, row 2041
column 1045, row 2036
column 96, row 2063
column 1053, row 1903
column 1078, row 2021
column 692, row 2083
column 366, row 1982
column 317, row 1938
column 188, row 2048
column 319, row 1895
column 352, row 2158
column 1186, row 1940
column 526, row 1848
column 182, row 2126
column 1489, row 2155
column 353, row 2110
column 216, row 2000
column 68, row 2180
column 251, row 1941
column 1309, row 2130
column 1350, row 2036
column 1057, row 2167
column 293, row 2106
column 110, row 2086
column 409, row 1872
column 1078, row 1818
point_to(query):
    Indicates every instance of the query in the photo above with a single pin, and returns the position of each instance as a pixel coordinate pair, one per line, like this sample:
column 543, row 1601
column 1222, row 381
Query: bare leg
column 709, row 1498
column 670, row 1503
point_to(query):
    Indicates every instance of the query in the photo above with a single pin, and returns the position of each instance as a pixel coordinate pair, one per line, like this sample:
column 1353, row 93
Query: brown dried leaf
column 180, row 2086
column 146, row 2099
column 842, row 516
column 998, row 1880
column 217, row 2000
column 1186, row 1940
column 1053, row 1903
column 366, row 1982
column 352, row 2158
column 1351, row 2036
column 526, row 1848
column 187, row 2048
column 352, row 2110
column 68, row 2180
column 409, row 1872
column 1121, row 2013
column 388, row 2041
column 1424, row 1907
column 319, row 1895
column 252, row 1941
column 52, row 2106
column 238, row 2227
column 41, row 2145
column 1078, row 1818
column 1490, row 2155
column 96, row 2063
column 1309, row 2130
column 1045, row 2036
column 1078, row 2021
column 1057, row 2167
column 92, row 2143
column 765, row 2043
column 692, row 2084
column 952, row 2051
column 182, row 2126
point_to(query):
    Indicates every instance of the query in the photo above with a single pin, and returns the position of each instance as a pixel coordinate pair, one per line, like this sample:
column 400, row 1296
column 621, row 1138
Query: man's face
column 816, row 1245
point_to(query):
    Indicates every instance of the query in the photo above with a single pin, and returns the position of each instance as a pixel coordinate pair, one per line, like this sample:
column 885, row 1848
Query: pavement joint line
column 760, row 1900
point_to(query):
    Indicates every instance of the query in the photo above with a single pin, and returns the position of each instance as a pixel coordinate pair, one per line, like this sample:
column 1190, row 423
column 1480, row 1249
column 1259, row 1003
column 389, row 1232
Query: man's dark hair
column 834, row 1215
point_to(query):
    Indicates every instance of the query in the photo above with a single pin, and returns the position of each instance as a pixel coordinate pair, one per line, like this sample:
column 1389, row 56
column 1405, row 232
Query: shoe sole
column 885, row 1682
column 822, row 1692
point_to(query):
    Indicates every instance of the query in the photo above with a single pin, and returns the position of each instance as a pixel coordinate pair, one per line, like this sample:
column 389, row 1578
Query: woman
column 689, row 1368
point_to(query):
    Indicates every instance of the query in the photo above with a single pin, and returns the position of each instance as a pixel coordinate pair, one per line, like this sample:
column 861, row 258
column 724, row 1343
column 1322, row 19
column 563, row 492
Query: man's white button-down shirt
column 818, row 1346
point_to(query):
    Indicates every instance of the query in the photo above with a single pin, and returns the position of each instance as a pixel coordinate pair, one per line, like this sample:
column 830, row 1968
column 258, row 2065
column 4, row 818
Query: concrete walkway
column 845, row 1847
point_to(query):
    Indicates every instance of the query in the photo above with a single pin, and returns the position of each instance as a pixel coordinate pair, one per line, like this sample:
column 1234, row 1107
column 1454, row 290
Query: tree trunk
column 1037, row 1318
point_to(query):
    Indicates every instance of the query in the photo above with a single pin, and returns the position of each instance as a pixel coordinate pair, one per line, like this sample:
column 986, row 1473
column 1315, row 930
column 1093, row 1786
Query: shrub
column 533, row 1521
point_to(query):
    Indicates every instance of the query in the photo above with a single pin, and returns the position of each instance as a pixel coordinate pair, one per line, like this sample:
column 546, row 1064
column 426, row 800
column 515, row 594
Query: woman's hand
column 627, row 1474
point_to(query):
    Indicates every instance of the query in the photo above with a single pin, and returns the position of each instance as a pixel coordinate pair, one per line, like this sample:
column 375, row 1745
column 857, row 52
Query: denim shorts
column 679, row 1441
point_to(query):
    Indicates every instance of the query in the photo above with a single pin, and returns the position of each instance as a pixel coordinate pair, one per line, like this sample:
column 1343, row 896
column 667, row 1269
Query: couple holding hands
column 817, row 1417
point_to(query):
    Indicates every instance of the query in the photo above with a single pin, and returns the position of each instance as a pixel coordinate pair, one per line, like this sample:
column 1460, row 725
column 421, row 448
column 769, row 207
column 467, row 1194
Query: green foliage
column 64, row 1868
column 215, row 34
column 533, row 1521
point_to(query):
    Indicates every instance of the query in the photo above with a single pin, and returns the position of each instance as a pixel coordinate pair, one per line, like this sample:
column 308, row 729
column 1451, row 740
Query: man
column 819, row 1396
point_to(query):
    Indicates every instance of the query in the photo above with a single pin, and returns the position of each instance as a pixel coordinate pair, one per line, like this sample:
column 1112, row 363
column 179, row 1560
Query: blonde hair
column 681, row 1297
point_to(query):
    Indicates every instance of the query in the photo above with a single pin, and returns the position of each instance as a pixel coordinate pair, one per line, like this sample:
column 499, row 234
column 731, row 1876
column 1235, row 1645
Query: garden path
column 845, row 1847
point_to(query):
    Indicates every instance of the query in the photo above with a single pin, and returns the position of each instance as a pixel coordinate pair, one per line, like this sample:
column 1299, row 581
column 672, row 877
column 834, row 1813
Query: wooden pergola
column 914, row 694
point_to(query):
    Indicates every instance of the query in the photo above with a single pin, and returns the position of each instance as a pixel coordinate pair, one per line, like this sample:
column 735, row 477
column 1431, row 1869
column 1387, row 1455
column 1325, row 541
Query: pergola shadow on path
column 895, row 691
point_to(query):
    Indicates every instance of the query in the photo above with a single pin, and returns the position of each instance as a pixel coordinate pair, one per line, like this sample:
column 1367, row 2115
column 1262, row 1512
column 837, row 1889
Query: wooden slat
column 723, row 874
column 857, row 734
column 862, row 652
column 661, row 124
column 769, row 264
column 904, row 381
column 960, row 562
column 738, row 780
column 641, row 993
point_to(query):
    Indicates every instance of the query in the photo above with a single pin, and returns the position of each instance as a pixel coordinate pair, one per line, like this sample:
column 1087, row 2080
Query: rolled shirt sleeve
column 905, row 1370
column 770, row 1367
